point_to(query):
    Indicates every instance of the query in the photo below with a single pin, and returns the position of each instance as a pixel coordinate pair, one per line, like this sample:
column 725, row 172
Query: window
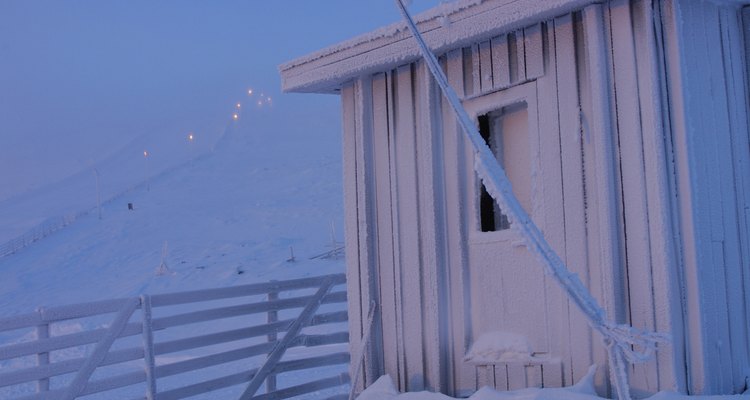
column 506, row 133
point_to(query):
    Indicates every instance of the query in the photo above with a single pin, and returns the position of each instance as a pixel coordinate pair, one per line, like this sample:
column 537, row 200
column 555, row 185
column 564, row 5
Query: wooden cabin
column 623, row 126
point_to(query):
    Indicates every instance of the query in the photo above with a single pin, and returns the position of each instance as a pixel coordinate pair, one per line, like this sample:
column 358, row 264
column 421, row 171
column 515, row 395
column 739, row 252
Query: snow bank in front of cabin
column 384, row 389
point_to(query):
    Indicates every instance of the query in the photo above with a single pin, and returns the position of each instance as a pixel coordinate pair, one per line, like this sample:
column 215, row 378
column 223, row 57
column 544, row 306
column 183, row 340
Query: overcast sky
column 80, row 79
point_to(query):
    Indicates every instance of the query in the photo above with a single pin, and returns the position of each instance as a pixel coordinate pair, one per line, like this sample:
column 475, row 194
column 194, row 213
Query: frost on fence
column 179, row 345
column 621, row 340
column 39, row 232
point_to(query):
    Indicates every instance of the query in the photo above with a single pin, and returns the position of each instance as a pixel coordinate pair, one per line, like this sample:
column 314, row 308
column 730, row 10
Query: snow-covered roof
column 445, row 27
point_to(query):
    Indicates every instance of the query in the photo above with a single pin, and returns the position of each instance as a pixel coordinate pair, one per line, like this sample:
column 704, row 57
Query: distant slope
column 228, row 217
column 122, row 170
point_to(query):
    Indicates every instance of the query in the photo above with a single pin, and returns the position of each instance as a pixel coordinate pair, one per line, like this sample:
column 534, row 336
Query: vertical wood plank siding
column 386, row 253
column 533, row 51
column 571, row 145
column 712, row 175
column 366, row 220
column 658, row 162
column 409, row 228
column 500, row 62
column 635, row 215
column 736, row 86
column 431, row 214
column 602, row 205
column 620, row 149
column 395, row 212
column 456, row 167
column 353, row 267
column 550, row 189
column 504, row 61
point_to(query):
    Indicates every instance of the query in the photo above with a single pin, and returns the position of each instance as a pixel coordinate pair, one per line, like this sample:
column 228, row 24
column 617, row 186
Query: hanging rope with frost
column 621, row 340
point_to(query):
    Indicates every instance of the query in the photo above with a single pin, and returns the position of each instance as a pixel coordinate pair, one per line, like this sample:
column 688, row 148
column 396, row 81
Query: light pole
column 145, row 158
column 190, row 138
column 98, row 194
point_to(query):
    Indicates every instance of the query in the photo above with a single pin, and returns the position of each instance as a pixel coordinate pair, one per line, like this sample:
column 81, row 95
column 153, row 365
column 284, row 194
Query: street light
column 145, row 158
column 98, row 194
column 190, row 138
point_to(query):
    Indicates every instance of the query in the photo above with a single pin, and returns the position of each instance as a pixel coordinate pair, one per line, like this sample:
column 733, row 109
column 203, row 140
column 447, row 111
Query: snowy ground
column 231, row 216
column 384, row 389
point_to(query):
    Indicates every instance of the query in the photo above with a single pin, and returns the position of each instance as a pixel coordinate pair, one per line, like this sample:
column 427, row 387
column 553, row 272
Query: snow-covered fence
column 54, row 224
column 179, row 345
column 40, row 231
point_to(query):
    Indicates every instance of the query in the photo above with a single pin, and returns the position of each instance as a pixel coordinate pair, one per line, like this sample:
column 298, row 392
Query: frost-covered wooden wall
column 604, row 194
column 635, row 165
column 607, row 190
column 706, row 64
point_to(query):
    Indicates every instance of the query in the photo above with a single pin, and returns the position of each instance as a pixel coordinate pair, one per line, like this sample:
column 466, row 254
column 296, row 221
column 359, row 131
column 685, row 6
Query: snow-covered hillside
column 228, row 217
column 120, row 171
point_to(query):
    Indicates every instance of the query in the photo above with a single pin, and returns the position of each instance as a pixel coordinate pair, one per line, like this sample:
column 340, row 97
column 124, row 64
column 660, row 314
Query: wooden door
column 507, row 289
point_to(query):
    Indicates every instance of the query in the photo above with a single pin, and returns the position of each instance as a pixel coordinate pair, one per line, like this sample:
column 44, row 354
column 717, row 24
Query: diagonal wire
column 621, row 340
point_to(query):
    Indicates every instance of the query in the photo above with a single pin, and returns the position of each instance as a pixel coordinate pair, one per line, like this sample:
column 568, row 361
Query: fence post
column 148, row 347
column 282, row 345
column 273, row 316
column 42, row 332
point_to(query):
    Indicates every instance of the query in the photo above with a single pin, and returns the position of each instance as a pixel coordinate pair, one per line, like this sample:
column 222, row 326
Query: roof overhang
column 470, row 21
column 327, row 70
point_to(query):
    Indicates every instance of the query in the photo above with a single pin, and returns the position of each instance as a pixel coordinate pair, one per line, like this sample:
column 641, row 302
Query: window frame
column 485, row 104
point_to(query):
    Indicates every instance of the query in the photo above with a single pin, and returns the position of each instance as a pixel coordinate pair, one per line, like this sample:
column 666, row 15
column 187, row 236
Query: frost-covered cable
column 621, row 340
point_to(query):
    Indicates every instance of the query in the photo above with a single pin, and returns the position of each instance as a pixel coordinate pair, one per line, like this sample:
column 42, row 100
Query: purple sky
column 81, row 79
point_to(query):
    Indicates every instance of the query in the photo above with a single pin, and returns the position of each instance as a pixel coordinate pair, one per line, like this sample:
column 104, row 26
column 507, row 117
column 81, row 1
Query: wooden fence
column 40, row 231
column 54, row 224
column 118, row 348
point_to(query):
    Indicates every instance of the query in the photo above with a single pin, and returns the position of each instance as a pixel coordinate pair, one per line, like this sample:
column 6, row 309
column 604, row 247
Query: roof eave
column 327, row 70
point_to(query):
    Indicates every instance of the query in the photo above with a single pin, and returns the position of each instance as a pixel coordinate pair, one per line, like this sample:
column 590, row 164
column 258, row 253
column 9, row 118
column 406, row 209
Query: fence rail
column 54, row 224
column 181, row 321
column 38, row 232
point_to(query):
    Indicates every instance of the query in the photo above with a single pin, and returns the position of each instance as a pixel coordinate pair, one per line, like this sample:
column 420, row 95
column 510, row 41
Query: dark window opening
column 505, row 131
column 490, row 216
